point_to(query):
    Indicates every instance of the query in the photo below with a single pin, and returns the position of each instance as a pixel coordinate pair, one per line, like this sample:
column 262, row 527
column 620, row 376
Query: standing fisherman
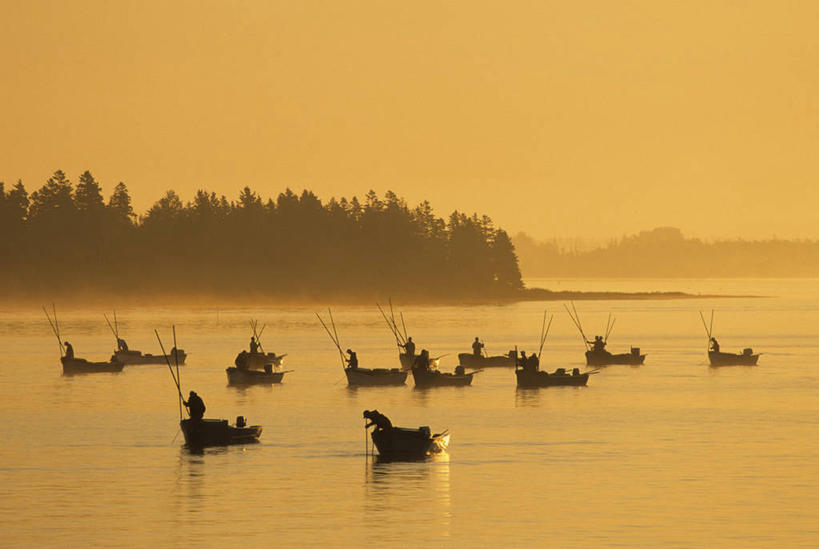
column 409, row 347
column 196, row 406
column 254, row 347
column 69, row 350
column 477, row 347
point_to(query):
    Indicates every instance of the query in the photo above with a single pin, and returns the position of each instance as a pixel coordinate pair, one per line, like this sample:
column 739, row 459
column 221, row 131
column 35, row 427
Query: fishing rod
column 545, row 335
column 609, row 329
column 338, row 345
column 176, row 359
column 577, row 325
column 175, row 380
column 55, row 331
column 389, row 325
column 404, row 326
column 113, row 331
column 116, row 326
column 57, row 324
column 395, row 325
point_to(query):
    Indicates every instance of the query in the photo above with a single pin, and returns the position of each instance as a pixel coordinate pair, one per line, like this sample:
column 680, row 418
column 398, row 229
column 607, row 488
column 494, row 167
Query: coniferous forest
column 65, row 241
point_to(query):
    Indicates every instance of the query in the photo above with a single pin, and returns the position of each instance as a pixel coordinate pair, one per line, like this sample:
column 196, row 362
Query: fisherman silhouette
column 714, row 345
column 254, row 347
column 195, row 405
column 477, row 347
column 69, row 350
column 121, row 345
column 598, row 345
column 381, row 422
column 241, row 360
column 422, row 361
column 409, row 347
column 353, row 360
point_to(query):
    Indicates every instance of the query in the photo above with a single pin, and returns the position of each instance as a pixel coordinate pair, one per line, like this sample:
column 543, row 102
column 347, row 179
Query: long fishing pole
column 333, row 339
column 333, row 323
column 395, row 324
column 404, row 326
column 113, row 331
column 609, row 330
column 176, row 359
column 389, row 325
column 175, row 380
column 577, row 325
column 580, row 325
column 54, row 330
column 57, row 325
column 545, row 335
column 542, row 328
column 116, row 326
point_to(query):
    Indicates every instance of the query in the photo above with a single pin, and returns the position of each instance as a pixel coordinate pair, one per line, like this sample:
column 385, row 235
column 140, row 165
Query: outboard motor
column 268, row 368
column 240, row 421
column 635, row 351
column 459, row 370
column 576, row 371
column 747, row 351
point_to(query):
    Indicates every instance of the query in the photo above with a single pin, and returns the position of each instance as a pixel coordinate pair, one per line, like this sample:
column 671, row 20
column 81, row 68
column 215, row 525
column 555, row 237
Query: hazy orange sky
column 558, row 118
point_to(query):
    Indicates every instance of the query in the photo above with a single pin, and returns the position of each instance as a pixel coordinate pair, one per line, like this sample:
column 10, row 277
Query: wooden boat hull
column 217, row 432
column 135, row 357
column 434, row 378
column 375, row 377
column 732, row 359
column 237, row 376
column 400, row 443
column 470, row 360
column 540, row 378
column 72, row 366
column 607, row 359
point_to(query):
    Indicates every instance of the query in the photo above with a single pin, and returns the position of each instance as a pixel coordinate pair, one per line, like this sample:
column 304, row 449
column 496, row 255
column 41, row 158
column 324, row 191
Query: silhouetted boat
column 375, row 376
column 471, row 360
column 257, row 361
column 73, row 366
column 241, row 376
column 605, row 358
column 747, row 358
column 135, row 357
column 435, row 378
column 399, row 442
column 217, row 432
column 540, row 378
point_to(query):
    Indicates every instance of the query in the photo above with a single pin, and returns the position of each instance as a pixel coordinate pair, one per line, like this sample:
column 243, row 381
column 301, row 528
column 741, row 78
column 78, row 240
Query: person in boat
column 254, row 347
column 69, row 350
column 532, row 363
column 381, row 422
column 121, row 345
column 353, row 360
column 241, row 360
column 522, row 359
column 714, row 345
column 477, row 347
column 195, row 405
column 409, row 347
column 422, row 361
column 598, row 345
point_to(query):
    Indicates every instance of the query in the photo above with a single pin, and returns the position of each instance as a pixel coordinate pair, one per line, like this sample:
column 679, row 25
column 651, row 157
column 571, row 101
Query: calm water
column 672, row 453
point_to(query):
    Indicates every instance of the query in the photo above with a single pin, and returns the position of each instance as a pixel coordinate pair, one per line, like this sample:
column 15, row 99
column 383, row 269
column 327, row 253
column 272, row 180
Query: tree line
column 66, row 240
column 665, row 252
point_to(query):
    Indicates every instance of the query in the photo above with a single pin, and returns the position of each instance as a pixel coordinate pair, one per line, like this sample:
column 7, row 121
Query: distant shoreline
column 89, row 302
column 542, row 294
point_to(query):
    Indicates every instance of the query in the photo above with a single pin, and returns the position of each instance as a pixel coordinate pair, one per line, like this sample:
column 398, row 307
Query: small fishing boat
column 747, row 358
column 432, row 377
column 605, row 358
column 375, row 376
column 471, row 360
column 201, row 433
column 72, row 366
column 242, row 376
column 135, row 357
column 718, row 358
column 402, row 443
column 257, row 361
column 538, row 378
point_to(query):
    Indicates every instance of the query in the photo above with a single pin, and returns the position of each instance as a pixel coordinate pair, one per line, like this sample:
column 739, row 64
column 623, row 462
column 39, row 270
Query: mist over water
column 670, row 453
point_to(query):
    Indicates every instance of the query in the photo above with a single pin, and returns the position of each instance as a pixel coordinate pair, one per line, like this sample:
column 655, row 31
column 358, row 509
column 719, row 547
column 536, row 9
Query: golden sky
column 558, row 118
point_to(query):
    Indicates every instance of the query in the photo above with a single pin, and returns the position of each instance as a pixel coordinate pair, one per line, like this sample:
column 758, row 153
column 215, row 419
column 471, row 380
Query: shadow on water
column 528, row 397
